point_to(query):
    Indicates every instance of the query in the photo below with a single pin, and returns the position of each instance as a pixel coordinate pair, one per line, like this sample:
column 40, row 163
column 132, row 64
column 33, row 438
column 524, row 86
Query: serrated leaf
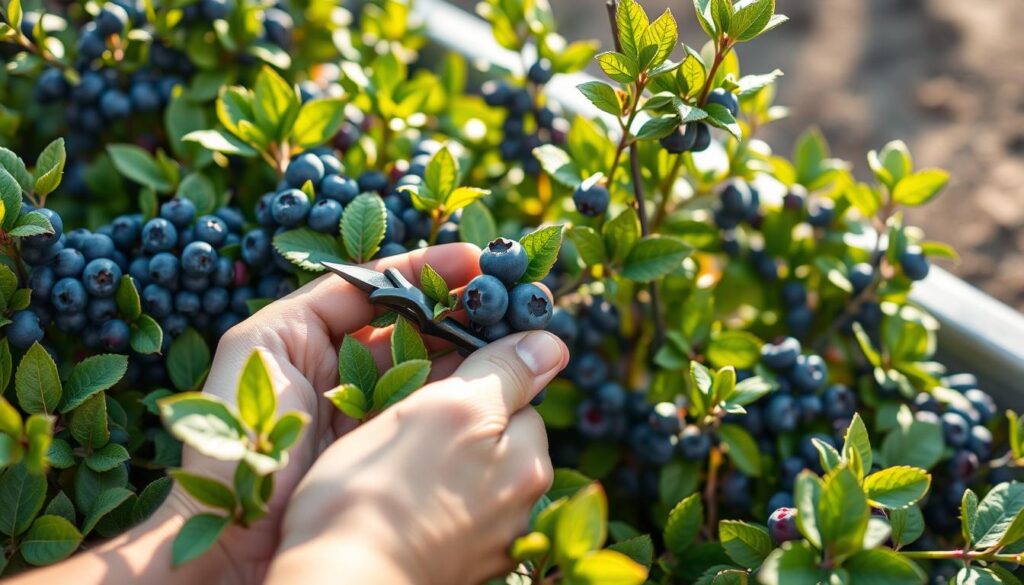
column 356, row 365
column 349, row 399
column 206, row 424
column 91, row 375
column 257, row 401
column 654, row 257
column 662, row 33
column 541, row 248
column 602, row 95
column 318, row 121
column 684, row 523
column 897, row 487
column 589, row 244
column 399, row 382
column 638, row 548
column 138, row 165
column 36, row 381
column 618, row 67
column 632, row 24
column 406, row 343
column 307, row 248
column 746, row 544
column 362, row 227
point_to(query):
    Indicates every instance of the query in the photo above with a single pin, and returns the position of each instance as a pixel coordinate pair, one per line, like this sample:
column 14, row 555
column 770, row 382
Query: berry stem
column 722, row 48
column 710, row 501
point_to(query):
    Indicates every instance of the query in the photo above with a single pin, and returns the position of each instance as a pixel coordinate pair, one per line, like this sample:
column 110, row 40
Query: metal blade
column 364, row 279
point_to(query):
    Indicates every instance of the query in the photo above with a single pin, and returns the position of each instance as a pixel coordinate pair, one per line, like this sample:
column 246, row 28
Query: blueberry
column 664, row 419
column 529, row 307
column 179, row 211
column 215, row 301
column 702, row 140
column 157, row 300
column 961, row 382
column 591, row 421
column 187, row 302
column 41, row 280
column 91, row 44
column 198, row 259
column 159, row 235
column 375, row 181
column 264, row 216
column 69, row 296
column 395, row 203
column 211, row 229
column 341, row 189
column 486, row 300
column 980, row 442
column 694, row 443
column 448, row 233
column 789, row 469
column 418, row 225
column 820, row 212
column 391, row 249
column 591, row 201
column 174, row 325
column 195, row 283
column 839, row 401
column 496, row 93
column 24, row 329
column 563, row 324
column 955, row 428
column 982, row 403
column 653, row 447
column 332, row 166
column 794, row 294
column 68, row 262
column 223, row 273
column 736, row 198
column 290, row 207
column 216, row 9
column 680, row 140
column 963, row 464
column 493, row 332
column 232, row 217
column 861, row 275
column 781, row 355
column 914, row 263
column 239, row 298
column 505, row 260
column 139, row 269
column 782, row 412
column 164, row 269
column 394, row 231
column 71, row 322
column 780, row 500
column 101, row 310
column 545, row 118
column 144, row 96
column 51, row 85
column 97, row 246
column 115, row 105
column 325, row 216
column 256, row 248
column 513, row 126
column 725, row 98
column 809, row 373
column 115, row 335
column 101, row 277
column 765, row 265
column 111, row 20
column 540, row 72
column 125, row 231
column 306, row 167
column 589, row 371
column 736, row 490
column 810, row 406
column 610, row 397
column 782, row 526
column 89, row 88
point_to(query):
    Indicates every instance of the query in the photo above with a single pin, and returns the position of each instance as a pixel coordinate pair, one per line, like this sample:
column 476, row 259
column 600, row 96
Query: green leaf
column 632, row 24
column 897, row 487
column 39, row 431
column 197, row 536
column 138, row 165
column 857, row 439
column 206, row 424
column 720, row 117
column 127, row 297
column 582, row 524
column 997, row 513
column 199, row 189
column 907, row 525
column 10, row 420
column 406, row 343
column 914, row 443
column 61, row 506
column 60, row 455
column 842, row 513
column 807, row 496
column 746, row 544
column 356, row 365
column 10, row 199
column 882, row 565
column 721, row 14
column 741, row 448
column 362, row 227
column 602, row 95
column 638, row 548
column 33, row 223
column 558, row 165
column 21, row 497
column 477, row 225
column 750, row 19
column 749, row 390
column 658, row 127
column 257, row 402
column 920, row 187
column 618, row 67
column 147, row 337
column 662, row 33
column 287, row 431
column 205, row 490
column 108, row 457
column 541, row 248
column 684, row 523
column 654, row 257
column 968, row 516
column 49, row 167
column 36, row 382
column 980, row 576
column 442, row 174
column 307, row 248
column 433, row 285
column 318, row 121
column 91, row 375
column 50, row 539
column 794, row 563
column 89, row 422
column 399, row 382
column 703, row 11
column 589, row 244
column 607, row 567
column 151, row 498
column 739, row 349
column 827, row 454
column 217, row 141
column 188, row 360
column 14, row 166
column 349, row 399
column 275, row 105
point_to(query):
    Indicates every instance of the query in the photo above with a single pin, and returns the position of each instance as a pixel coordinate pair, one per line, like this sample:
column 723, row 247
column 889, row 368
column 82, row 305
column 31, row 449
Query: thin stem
column 665, row 190
column 964, row 555
column 31, row 47
column 722, row 48
column 710, row 497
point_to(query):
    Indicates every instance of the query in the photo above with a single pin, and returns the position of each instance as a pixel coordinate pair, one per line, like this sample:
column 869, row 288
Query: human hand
column 435, row 488
column 298, row 337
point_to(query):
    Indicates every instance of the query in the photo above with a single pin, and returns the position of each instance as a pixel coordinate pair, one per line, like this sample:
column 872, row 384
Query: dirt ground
column 946, row 76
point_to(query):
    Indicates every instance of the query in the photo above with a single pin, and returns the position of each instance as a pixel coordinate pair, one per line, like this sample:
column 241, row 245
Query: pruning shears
column 391, row 290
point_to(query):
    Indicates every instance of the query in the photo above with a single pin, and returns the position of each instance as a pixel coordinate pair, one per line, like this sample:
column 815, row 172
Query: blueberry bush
column 752, row 397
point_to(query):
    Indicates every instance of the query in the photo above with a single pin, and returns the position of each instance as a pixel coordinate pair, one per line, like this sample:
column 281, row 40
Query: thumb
column 509, row 372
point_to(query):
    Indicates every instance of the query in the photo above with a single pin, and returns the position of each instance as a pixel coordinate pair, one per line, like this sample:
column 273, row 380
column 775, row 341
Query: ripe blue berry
column 41, row 281
column 820, row 212
column 781, row 355
column 955, row 428
column 290, row 207
column 861, row 275
column 610, row 396
column 391, row 249
column 115, row 335
column 68, row 262
column 91, row 44
column 782, row 525
column 325, row 216
column 505, row 260
column 187, row 302
column 179, row 211
column 198, row 259
column 157, row 300
column 144, row 96
column 69, row 296
column 375, row 181
column 694, row 443
column 224, row 273
column 540, row 72
column 725, row 98
column 24, row 329
column 592, row 201
column 703, row 139
column 97, row 246
column 101, row 310
column 963, row 464
column 589, row 371
column 781, row 412
column 215, row 301
column 44, row 240
column 681, row 139
column 101, row 277
column 982, row 403
column 980, row 442
column 810, row 406
column 306, row 167
column 493, row 332
column 664, row 419
column 809, row 373
column 115, row 105
column 914, row 263
column 563, row 324
column 212, row 230
column 529, row 307
column 159, row 235
column 591, row 421
column 341, row 189
column 256, row 248
column 111, row 20
column 794, row 293
column 485, row 299
column 125, row 231
column 164, row 269
column 839, row 401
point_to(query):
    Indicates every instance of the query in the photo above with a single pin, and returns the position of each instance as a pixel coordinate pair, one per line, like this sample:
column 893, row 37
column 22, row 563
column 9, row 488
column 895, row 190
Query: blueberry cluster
column 696, row 136
column 528, row 123
column 496, row 302
column 738, row 202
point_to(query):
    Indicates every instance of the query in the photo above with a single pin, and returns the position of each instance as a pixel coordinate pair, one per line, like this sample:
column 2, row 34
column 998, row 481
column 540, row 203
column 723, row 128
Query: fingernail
column 540, row 351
